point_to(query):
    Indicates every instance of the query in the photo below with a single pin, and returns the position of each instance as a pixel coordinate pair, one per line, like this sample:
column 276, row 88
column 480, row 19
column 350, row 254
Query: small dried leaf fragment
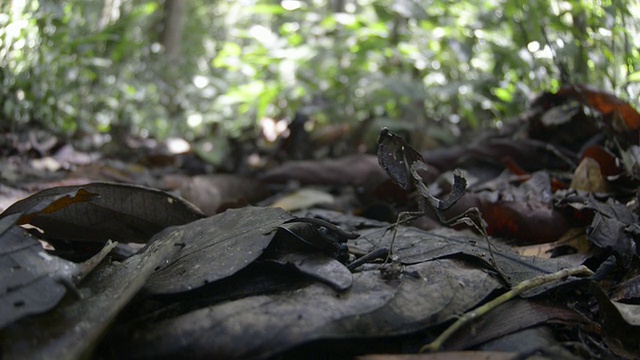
column 588, row 177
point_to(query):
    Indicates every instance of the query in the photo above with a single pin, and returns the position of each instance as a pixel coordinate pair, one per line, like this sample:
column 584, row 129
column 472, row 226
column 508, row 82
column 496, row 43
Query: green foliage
column 65, row 71
column 444, row 65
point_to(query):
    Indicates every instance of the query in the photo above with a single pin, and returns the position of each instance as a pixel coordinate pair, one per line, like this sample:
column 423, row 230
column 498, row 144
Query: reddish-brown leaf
column 609, row 163
column 619, row 115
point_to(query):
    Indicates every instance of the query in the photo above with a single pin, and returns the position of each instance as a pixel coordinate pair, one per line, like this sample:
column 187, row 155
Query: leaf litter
column 248, row 284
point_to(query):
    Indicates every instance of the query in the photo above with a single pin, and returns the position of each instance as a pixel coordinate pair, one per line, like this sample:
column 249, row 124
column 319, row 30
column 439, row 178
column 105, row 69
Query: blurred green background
column 217, row 68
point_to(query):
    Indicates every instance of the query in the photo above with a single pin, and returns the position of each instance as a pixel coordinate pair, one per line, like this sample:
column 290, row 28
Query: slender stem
column 525, row 285
column 379, row 253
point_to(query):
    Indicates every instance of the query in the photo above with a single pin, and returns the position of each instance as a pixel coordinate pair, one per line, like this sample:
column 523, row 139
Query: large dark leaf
column 261, row 326
column 431, row 292
column 413, row 246
column 72, row 329
column 216, row 247
column 119, row 212
column 511, row 317
column 620, row 118
column 31, row 280
column 25, row 285
column 258, row 326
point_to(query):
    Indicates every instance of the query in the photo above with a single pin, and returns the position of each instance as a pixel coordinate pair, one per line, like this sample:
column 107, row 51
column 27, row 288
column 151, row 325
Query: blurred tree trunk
column 174, row 11
column 110, row 13
column 580, row 67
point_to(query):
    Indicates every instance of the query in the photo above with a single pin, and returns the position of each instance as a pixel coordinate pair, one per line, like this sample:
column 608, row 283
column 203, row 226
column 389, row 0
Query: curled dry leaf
column 588, row 177
column 613, row 226
column 620, row 116
column 104, row 211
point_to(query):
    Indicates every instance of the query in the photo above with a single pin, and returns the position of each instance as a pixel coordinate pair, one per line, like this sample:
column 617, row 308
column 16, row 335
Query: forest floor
column 515, row 243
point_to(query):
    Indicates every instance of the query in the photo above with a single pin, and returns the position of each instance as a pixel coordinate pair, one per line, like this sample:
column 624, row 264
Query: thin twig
column 525, row 285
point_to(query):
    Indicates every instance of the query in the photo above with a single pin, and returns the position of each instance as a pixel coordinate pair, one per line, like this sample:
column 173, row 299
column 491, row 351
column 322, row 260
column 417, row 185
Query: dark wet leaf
column 620, row 329
column 32, row 281
column 510, row 317
column 73, row 328
column 566, row 125
column 26, row 286
column 413, row 246
column 449, row 355
column 313, row 235
column 430, row 293
column 346, row 221
column 620, row 118
column 321, row 267
column 259, row 326
column 53, row 204
column 216, row 247
column 541, row 339
column 105, row 211
column 614, row 225
column 258, row 278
